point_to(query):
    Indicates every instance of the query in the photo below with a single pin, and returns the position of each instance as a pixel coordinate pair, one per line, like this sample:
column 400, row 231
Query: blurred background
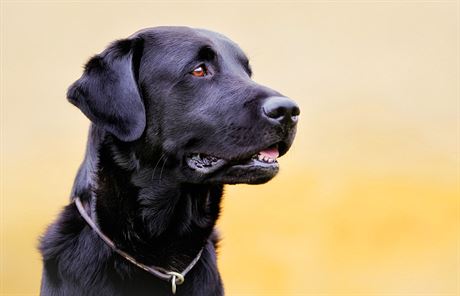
column 367, row 200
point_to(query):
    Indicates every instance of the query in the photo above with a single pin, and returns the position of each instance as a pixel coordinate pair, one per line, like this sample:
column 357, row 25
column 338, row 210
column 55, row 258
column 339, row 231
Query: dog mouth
column 264, row 159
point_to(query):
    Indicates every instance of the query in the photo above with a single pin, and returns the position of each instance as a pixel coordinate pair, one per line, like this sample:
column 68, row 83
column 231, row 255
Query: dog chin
column 253, row 171
column 247, row 175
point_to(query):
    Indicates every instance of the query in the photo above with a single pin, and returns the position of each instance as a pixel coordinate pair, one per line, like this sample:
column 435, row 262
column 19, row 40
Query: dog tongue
column 272, row 153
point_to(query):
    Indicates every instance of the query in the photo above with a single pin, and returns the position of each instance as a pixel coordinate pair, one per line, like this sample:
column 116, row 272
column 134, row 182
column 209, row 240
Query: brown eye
column 200, row 71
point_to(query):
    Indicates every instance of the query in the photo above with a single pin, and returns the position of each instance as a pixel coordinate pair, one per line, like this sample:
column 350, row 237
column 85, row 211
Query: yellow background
column 366, row 202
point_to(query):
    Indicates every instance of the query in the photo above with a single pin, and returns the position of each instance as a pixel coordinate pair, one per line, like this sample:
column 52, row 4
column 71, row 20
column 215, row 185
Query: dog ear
column 108, row 93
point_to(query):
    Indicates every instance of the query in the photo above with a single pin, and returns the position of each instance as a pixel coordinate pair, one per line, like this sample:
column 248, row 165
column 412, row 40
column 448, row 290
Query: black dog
column 175, row 115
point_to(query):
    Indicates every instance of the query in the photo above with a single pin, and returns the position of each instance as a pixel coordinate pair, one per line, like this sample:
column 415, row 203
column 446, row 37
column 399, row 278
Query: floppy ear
column 107, row 92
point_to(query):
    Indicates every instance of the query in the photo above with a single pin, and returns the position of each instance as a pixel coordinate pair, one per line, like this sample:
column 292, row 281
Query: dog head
column 188, row 94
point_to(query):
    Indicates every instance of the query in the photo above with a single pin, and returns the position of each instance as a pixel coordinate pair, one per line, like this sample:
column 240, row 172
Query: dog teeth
column 264, row 158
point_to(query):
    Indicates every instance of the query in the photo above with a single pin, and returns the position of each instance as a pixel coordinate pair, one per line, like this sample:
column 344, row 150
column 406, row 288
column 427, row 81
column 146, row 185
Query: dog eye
column 200, row 71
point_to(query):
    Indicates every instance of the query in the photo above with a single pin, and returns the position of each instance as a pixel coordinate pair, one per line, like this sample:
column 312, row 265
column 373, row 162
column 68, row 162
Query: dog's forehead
column 188, row 40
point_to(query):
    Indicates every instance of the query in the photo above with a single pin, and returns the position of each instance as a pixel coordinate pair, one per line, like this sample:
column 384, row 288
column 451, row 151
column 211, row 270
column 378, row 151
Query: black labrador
column 175, row 115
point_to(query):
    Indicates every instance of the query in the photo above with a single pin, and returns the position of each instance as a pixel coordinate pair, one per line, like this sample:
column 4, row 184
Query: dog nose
column 281, row 109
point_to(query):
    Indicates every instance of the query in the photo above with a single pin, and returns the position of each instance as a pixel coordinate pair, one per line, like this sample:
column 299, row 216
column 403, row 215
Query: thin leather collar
column 176, row 278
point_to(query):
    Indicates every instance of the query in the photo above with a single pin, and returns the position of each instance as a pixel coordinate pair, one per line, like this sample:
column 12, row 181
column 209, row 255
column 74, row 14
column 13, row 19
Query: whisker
column 158, row 162
column 161, row 172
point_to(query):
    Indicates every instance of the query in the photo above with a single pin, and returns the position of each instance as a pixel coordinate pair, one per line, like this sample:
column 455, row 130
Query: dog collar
column 176, row 278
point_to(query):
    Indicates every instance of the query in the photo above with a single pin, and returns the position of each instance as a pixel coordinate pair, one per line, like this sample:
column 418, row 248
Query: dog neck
column 142, row 207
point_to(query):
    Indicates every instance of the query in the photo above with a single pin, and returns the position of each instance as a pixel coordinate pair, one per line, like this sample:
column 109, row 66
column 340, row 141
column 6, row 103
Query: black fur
column 148, row 114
